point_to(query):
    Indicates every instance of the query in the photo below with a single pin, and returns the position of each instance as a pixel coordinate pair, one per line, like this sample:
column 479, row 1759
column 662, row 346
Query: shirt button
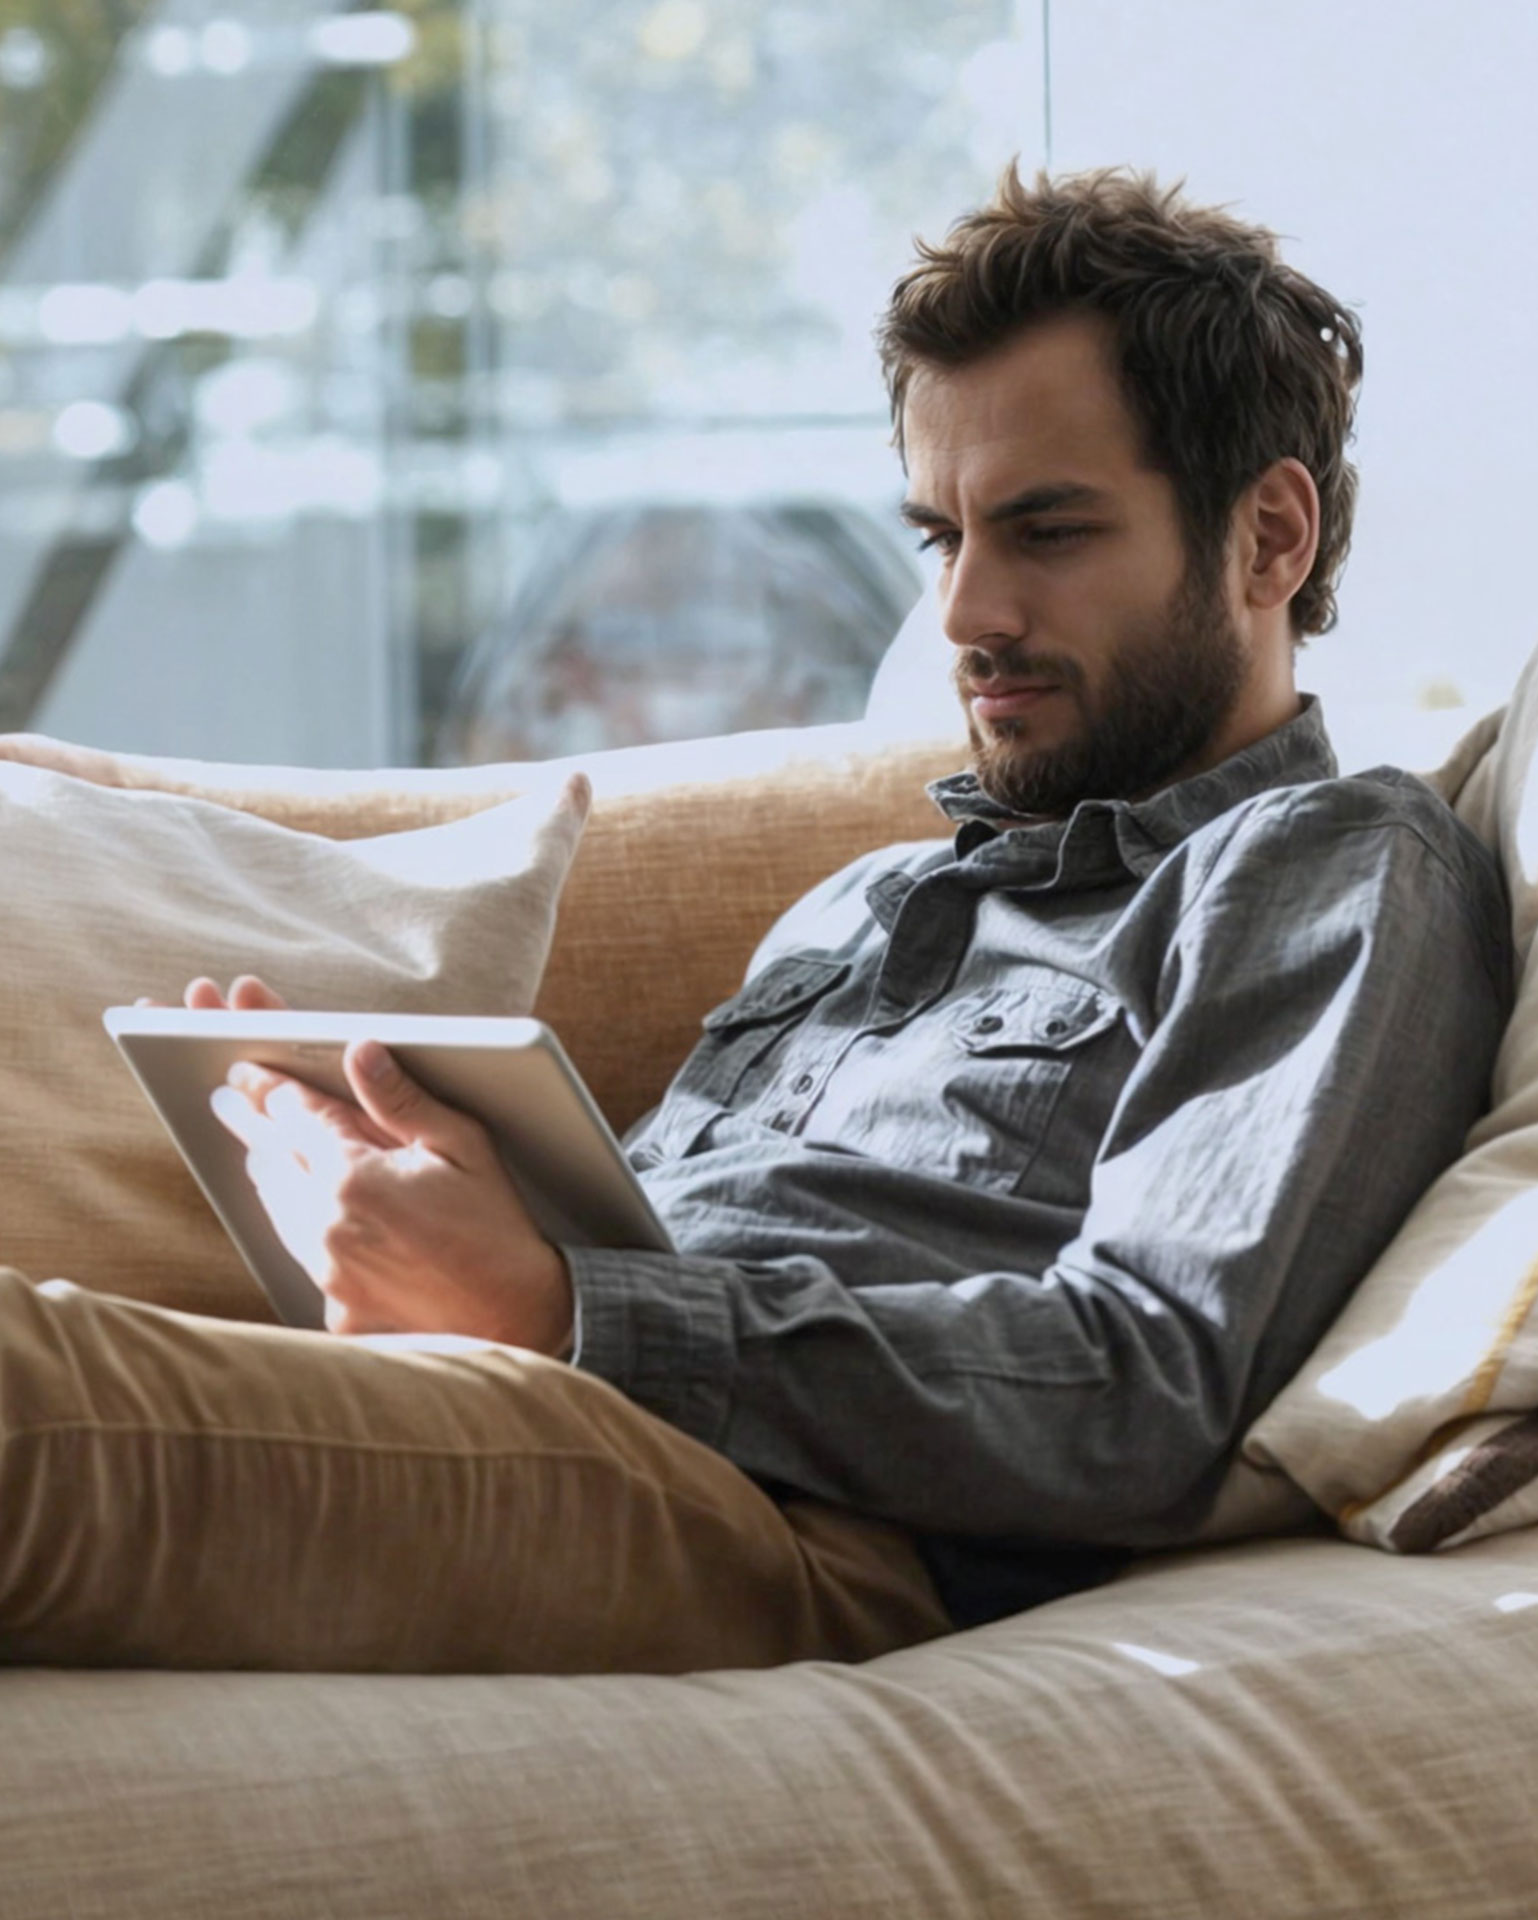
column 1056, row 1027
column 803, row 1085
column 990, row 1023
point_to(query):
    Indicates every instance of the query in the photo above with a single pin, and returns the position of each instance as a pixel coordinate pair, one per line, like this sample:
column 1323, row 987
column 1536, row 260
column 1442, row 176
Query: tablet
column 512, row 1075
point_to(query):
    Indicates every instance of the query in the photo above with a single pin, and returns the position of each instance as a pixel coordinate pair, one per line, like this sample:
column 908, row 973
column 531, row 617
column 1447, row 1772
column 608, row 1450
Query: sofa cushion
column 1292, row 1730
column 110, row 895
column 1410, row 1423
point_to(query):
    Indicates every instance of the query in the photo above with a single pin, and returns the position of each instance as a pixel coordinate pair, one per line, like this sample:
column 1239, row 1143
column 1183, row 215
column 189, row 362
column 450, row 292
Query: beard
column 1168, row 687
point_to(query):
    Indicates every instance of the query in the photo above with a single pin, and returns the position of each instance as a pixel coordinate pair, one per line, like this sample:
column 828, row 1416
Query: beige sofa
column 1299, row 1725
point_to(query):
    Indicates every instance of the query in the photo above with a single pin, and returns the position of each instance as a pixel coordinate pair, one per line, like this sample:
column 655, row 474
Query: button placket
column 794, row 1102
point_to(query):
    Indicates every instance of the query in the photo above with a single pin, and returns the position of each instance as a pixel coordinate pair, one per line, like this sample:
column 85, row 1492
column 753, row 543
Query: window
column 478, row 377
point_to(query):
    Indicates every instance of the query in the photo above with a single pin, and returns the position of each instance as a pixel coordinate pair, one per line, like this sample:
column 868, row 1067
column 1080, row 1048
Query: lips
column 1007, row 699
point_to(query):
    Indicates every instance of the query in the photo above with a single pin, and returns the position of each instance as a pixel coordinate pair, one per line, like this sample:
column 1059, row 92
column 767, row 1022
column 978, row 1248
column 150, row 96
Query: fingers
column 272, row 1115
column 272, row 1142
column 300, row 1208
column 315, row 1123
column 407, row 1112
column 288, row 1122
column 305, row 1151
column 248, row 994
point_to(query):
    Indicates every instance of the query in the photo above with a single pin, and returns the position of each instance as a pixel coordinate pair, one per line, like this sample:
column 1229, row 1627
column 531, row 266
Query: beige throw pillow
column 1413, row 1422
column 111, row 894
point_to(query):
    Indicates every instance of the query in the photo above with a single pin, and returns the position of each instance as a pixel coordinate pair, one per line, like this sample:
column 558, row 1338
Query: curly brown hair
column 1229, row 358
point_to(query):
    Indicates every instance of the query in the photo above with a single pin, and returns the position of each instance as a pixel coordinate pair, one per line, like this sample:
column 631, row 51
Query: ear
column 1279, row 521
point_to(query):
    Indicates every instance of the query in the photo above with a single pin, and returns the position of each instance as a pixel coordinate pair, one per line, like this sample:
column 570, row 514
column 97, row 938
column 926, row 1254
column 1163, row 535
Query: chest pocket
column 735, row 1055
column 1006, row 1088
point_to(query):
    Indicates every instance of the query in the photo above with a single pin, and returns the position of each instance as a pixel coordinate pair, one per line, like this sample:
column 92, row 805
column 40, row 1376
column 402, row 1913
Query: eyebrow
column 1065, row 493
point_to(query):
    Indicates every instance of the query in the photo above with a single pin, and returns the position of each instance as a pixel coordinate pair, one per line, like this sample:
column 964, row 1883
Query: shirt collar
column 1102, row 837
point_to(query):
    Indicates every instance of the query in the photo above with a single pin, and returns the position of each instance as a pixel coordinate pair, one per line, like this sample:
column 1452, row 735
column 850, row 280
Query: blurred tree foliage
column 682, row 187
column 75, row 42
column 67, row 49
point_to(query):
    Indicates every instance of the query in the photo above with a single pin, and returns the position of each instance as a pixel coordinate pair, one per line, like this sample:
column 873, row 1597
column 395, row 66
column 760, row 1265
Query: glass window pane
column 463, row 379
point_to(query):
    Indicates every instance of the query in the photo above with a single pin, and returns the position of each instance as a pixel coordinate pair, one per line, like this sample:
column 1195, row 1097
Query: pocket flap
column 1049, row 1018
column 783, row 988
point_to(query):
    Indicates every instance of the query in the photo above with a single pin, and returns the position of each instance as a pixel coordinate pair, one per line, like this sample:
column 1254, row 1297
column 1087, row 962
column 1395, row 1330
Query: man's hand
column 247, row 995
column 395, row 1205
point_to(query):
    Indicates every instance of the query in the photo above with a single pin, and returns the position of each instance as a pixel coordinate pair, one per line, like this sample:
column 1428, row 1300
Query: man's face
column 1093, row 661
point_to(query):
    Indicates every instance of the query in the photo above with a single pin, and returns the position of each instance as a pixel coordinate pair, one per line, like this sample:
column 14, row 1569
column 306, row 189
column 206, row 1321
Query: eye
column 940, row 542
column 1058, row 534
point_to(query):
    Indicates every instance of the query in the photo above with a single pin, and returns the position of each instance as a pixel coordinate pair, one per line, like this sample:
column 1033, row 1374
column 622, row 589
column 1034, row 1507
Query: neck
column 1267, row 699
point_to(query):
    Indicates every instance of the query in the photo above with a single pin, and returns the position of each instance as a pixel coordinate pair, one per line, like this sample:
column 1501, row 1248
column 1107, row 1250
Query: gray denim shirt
column 1027, row 1167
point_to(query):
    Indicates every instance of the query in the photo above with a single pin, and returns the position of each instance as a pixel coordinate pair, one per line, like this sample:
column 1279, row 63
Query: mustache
column 976, row 667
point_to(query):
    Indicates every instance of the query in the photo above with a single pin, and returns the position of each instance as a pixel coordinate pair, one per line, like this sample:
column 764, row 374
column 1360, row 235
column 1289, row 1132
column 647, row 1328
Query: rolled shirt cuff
column 658, row 1327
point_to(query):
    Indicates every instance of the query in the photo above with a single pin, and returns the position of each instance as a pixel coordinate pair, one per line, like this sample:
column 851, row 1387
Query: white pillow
column 112, row 894
column 912, row 696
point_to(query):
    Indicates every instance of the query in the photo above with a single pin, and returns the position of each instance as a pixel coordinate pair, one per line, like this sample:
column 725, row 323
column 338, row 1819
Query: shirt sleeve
column 1327, row 1008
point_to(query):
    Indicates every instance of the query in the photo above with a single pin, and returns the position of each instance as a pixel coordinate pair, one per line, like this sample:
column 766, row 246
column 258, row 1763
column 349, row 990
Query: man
column 1018, row 1178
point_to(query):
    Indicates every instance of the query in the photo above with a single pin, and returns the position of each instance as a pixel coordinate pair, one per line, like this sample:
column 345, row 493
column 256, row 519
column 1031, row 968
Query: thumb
column 403, row 1109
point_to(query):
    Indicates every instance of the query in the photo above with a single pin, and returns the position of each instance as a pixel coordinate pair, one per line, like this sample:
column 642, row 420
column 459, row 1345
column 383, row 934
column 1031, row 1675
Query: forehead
column 1045, row 408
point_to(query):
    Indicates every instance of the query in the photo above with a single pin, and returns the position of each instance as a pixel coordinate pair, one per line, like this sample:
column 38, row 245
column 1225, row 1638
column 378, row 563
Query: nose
column 980, row 601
